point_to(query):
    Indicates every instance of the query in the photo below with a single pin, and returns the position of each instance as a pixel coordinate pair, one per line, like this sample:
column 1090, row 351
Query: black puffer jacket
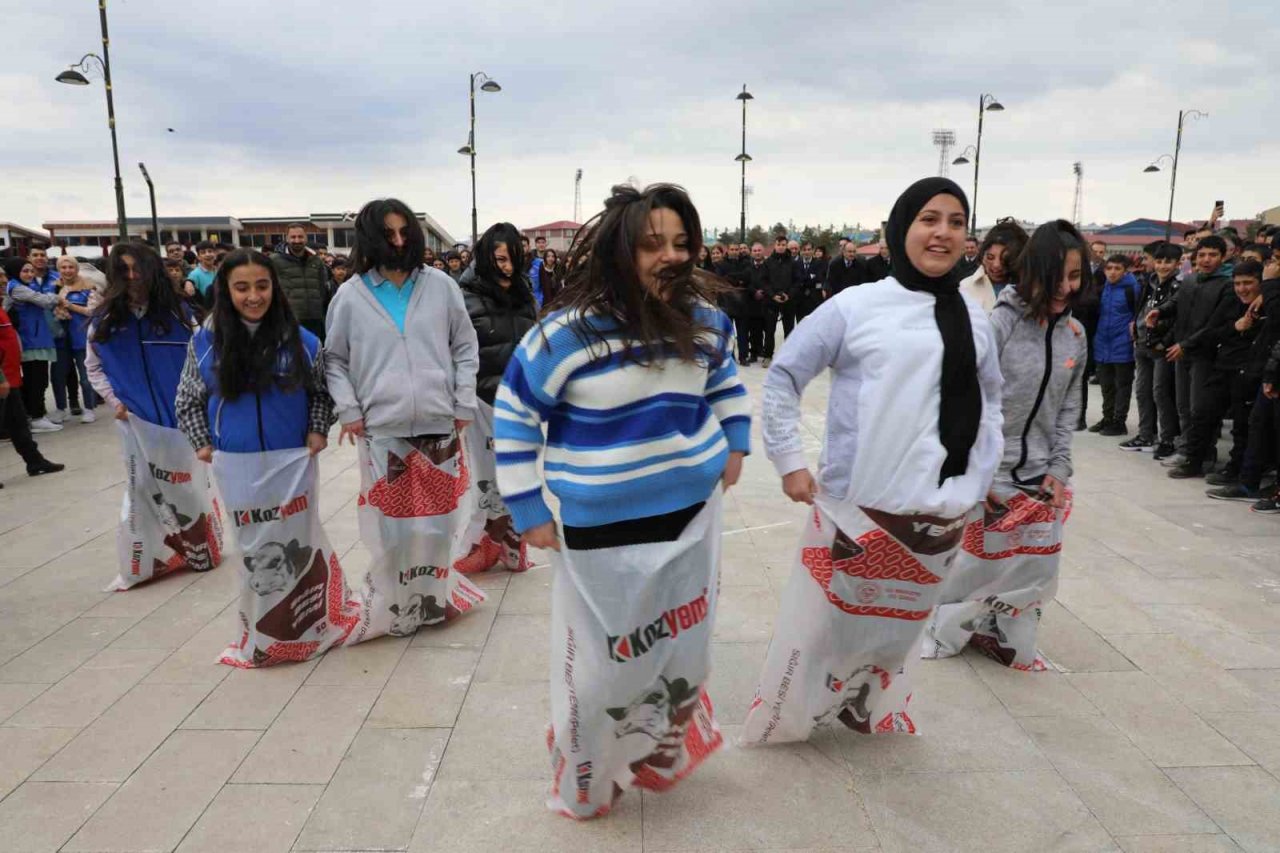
column 501, row 316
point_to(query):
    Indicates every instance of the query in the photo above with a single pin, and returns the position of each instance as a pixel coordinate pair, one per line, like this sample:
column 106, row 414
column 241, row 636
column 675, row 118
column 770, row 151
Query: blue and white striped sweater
column 623, row 440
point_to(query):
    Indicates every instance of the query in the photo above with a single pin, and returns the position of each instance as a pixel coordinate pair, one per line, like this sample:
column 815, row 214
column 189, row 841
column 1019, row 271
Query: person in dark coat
column 808, row 275
column 848, row 270
column 781, row 295
column 500, row 303
column 734, row 268
column 755, row 303
column 878, row 265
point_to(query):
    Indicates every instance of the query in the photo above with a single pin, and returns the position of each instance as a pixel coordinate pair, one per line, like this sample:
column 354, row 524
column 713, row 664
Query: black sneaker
column 1177, row 460
column 1186, row 471
column 1164, row 451
column 1269, row 505
column 1099, row 426
column 1226, row 477
column 44, row 466
column 1234, row 492
column 1137, row 443
column 1113, row 430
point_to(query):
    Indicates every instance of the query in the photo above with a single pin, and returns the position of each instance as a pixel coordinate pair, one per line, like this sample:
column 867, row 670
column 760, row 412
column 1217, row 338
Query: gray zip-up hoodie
column 414, row 382
column 1043, row 365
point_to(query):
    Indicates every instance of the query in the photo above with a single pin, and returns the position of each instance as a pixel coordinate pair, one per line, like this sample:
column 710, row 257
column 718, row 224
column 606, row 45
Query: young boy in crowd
column 202, row 274
column 1113, row 344
column 1190, row 311
column 1153, row 376
column 1228, row 386
column 1263, row 448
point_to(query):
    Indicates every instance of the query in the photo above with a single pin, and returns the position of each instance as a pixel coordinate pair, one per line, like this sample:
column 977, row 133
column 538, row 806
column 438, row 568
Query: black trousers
column 1116, row 381
column 755, row 337
column 1263, row 449
column 769, row 327
column 15, row 424
column 35, row 382
column 742, row 330
column 1223, row 391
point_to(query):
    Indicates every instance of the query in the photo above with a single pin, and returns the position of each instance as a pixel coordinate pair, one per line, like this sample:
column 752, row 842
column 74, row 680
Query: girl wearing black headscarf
column 913, row 439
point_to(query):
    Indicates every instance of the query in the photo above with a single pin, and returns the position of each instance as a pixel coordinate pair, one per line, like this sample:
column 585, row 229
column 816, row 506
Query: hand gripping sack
column 294, row 601
column 1004, row 577
column 630, row 655
column 852, row 615
column 170, row 518
column 490, row 538
column 411, row 511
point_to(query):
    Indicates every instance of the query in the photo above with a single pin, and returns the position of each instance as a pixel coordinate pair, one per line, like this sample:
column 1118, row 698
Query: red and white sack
column 850, row 623
column 1004, row 577
column 630, row 655
column 489, row 538
column 411, row 510
column 294, row 601
column 169, row 519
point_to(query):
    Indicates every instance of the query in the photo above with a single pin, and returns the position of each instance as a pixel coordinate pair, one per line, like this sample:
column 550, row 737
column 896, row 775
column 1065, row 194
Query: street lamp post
column 487, row 84
column 1183, row 115
column 986, row 103
column 74, row 75
column 155, row 223
column 744, row 158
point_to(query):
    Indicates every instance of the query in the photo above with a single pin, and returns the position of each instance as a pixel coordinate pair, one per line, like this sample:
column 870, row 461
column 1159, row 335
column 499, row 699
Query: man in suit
column 845, row 271
column 808, row 276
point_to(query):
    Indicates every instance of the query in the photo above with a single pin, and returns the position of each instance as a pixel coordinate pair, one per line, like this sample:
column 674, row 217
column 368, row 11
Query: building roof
column 30, row 232
column 145, row 222
column 558, row 225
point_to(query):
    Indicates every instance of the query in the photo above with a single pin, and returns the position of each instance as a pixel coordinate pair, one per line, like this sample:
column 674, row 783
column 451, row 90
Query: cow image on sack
column 912, row 440
column 411, row 511
column 294, row 600
column 170, row 519
column 1007, row 572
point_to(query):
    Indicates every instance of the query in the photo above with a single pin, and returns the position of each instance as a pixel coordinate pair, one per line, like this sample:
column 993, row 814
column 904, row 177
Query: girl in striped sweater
column 632, row 375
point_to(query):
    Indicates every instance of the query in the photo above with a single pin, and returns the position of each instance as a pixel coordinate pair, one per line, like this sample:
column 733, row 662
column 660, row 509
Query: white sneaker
column 44, row 425
column 88, row 417
column 59, row 416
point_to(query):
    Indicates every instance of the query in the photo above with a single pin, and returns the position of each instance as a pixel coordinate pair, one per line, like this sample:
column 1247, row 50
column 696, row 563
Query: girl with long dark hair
column 1007, row 570
column 632, row 373
column 400, row 360
column 912, row 439
column 499, row 299
column 137, row 342
column 253, row 402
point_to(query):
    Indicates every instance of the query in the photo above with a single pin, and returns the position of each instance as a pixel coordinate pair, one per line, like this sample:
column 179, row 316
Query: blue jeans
column 69, row 368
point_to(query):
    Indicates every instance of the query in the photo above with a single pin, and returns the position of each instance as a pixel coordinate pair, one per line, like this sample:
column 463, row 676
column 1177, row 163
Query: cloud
column 315, row 107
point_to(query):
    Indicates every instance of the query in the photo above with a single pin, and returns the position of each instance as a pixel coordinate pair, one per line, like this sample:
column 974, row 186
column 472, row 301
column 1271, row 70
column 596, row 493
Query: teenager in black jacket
column 500, row 303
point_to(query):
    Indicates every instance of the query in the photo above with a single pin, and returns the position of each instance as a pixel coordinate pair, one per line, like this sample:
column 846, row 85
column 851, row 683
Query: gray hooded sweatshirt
column 1043, row 365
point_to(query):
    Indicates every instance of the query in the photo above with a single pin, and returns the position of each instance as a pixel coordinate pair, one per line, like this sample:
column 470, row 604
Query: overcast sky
column 320, row 106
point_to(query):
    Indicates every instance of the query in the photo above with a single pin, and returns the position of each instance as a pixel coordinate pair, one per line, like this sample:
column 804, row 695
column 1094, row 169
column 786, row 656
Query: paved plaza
column 1158, row 729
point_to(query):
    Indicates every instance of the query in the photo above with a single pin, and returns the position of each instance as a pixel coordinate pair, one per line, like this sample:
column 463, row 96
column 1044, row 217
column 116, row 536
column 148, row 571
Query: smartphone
column 1217, row 205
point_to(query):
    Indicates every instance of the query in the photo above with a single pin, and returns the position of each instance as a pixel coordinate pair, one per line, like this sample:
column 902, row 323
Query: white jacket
column 978, row 288
column 882, row 448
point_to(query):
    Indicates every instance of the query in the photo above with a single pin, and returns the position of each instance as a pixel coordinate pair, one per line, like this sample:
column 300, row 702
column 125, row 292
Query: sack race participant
column 633, row 374
column 13, row 415
column 1007, row 572
column 252, row 401
column 501, row 307
column 913, row 437
column 137, row 343
column 400, row 359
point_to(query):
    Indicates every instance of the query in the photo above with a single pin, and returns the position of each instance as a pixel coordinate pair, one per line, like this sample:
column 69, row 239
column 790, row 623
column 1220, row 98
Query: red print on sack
column 1019, row 511
column 416, row 487
column 875, row 558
